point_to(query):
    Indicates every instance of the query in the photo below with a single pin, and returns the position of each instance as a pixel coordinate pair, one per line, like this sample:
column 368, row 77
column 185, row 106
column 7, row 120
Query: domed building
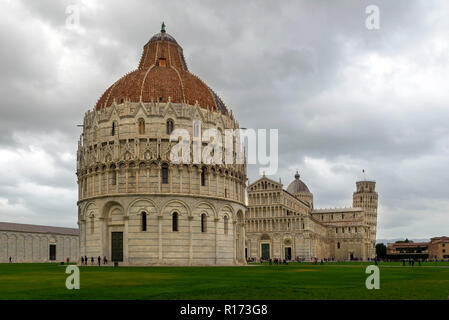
column 283, row 224
column 300, row 190
column 135, row 205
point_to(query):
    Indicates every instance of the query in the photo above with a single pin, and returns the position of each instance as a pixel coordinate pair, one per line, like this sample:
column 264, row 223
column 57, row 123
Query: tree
column 381, row 251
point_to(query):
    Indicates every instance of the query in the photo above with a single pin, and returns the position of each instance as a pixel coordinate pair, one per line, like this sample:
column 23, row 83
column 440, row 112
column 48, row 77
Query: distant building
column 435, row 249
column 34, row 243
column 284, row 223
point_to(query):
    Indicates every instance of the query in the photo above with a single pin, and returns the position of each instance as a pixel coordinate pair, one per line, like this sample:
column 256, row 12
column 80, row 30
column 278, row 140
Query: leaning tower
column 366, row 197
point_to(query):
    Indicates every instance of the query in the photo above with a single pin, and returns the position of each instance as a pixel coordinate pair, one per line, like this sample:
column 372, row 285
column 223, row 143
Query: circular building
column 135, row 205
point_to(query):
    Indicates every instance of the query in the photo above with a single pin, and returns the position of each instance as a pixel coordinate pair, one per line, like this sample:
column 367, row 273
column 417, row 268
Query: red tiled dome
column 162, row 74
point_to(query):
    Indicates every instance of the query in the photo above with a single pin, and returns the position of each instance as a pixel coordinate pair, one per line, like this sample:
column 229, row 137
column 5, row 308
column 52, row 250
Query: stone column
column 125, row 240
column 159, row 236
column 216, row 236
column 190, row 218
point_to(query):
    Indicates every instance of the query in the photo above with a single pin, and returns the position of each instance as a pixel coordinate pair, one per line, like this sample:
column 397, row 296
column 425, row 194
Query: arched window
column 144, row 221
column 114, row 125
column 203, row 176
column 203, row 222
column 226, row 225
column 174, row 221
column 141, row 126
column 164, row 173
column 338, row 245
column 113, row 176
column 169, row 126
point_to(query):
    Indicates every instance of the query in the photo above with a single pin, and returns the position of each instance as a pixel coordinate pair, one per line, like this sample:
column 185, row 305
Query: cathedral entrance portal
column 288, row 253
column 117, row 246
column 265, row 251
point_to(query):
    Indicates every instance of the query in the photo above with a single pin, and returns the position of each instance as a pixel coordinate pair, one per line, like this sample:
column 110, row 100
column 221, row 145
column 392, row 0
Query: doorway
column 265, row 251
column 52, row 252
column 288, row 253
column 117, row 246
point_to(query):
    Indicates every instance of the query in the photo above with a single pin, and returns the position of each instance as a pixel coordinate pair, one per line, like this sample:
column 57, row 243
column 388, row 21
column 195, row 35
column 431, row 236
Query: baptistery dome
column 137, row 206
column 162, row 76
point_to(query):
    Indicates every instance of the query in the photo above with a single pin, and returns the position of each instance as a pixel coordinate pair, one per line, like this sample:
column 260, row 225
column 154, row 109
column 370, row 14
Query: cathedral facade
column 284, row 224
column 138, row 207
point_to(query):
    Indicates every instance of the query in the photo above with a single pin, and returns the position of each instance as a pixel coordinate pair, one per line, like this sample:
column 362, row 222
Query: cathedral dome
column 297, row 186
column 162, row 76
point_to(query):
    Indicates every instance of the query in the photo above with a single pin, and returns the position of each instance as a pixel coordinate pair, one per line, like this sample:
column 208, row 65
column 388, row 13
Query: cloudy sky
column 344, row 98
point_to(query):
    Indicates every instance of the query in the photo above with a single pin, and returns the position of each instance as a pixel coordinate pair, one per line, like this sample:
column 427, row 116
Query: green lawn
column 295, row 281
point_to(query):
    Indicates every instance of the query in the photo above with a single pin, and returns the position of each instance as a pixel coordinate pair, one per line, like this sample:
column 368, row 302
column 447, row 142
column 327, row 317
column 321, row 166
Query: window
column 164, row 173
column 113, row 128
column 203, row 222
column 169, row 126
column 162, row 62
column 343, row 230
column 203, row 176
column 342, row 216
column 332, row 217
column 174, row 221
column 113, row 176
column 141, row 126
column 226, row 225
column 144, row 221
column 336, row 230
column 226, row 193
column 356, row 230
column 338, row 245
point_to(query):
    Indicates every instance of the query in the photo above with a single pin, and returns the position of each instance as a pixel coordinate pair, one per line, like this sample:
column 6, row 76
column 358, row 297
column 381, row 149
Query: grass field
column 294, row 281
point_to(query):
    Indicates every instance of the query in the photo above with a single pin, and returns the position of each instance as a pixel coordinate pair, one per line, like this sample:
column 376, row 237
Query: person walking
column 10, row 259
column 92, row 260
column 99, row 261
column 85, row 260
column 82, row 260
